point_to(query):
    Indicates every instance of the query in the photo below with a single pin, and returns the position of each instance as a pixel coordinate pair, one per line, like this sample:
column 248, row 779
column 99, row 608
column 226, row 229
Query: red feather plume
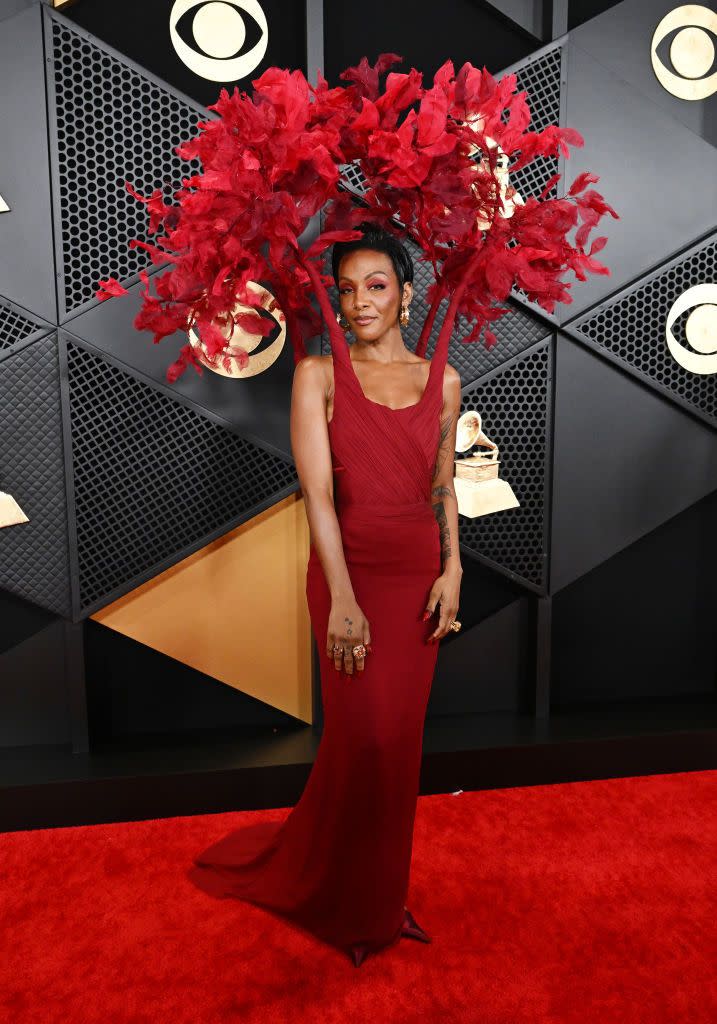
column 273, row 159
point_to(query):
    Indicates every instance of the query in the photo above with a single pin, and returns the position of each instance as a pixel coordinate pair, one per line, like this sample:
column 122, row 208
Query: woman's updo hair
column 380, row 240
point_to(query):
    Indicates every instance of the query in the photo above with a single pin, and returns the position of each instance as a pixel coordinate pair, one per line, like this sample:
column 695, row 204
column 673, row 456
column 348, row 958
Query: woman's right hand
column 347, row 627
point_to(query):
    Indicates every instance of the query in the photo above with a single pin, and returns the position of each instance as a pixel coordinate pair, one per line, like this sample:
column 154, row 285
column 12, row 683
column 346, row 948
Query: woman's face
column 369, row 293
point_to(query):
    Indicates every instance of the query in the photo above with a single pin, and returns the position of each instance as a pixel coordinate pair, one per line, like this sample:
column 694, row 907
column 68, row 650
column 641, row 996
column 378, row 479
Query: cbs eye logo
column 700, row 329
column 692, row 52
column 221, row 28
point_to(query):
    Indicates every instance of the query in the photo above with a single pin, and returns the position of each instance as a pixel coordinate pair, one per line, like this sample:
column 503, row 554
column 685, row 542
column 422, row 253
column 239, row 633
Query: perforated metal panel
column 16, row 327
column 540, row 77
column 109, row 122
column 515, row 331
column 514, row 404
column 630, row 329
column 152, row 477
column 34, row 559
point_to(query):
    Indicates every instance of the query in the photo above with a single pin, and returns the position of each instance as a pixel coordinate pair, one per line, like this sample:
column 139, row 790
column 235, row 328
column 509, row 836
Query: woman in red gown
column 373, row 432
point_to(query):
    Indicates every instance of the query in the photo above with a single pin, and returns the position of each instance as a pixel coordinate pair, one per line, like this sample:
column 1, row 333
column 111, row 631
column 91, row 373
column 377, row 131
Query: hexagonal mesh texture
column 34, row 556
column 15, row 327
column 631, row 328
column 111, row 123
column 513, row 404
column 151, row 476
column 515, row 331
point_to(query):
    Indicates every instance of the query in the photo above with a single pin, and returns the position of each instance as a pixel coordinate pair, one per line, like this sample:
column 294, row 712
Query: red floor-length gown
column 338, row 864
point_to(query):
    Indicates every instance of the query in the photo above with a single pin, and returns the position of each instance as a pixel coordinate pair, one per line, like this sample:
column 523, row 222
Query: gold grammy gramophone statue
column 479, row 490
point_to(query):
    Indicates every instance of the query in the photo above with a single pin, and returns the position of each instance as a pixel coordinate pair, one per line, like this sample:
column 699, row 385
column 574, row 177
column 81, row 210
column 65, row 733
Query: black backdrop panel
column 630, row 328
column 620, row 39
column 659, row 176
column 487, row 668
column 625, row 461
column 141, row 31
column 34, row 558
column 109, row 123
column 514, row 403
column 153, row 479
column 257, row 407
column 17, row 328
column 641, row 624
column 27, row 274
column 33, row 698
column 424, row 33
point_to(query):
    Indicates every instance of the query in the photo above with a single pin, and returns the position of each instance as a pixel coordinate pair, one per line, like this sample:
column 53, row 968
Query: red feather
column 273, row 159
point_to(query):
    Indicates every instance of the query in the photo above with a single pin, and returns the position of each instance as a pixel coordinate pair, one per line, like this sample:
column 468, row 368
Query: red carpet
column 583, row 903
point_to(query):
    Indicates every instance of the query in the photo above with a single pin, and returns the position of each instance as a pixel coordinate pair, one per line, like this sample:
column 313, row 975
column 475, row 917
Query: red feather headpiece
column 273, row 159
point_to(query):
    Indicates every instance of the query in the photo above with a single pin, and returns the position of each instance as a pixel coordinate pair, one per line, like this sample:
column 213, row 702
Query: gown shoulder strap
column 439, row 360
column 337, row 338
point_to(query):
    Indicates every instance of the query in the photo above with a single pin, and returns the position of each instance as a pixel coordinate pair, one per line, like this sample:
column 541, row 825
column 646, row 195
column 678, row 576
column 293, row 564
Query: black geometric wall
column 152, row 478
column 630, row 330
column 514, row 404
column 34, row 556
column 17, row 327
column 660, row 176
column 587, row 405
column 134, row 474
column 111, row 123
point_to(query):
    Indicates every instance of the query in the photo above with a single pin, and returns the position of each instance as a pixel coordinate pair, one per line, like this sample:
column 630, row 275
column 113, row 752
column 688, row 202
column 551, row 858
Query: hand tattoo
column 349, row 624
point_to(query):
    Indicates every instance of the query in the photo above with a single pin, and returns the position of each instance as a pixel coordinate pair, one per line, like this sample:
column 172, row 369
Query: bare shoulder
column 452, row 378
column 451, row 388
column 314, row 371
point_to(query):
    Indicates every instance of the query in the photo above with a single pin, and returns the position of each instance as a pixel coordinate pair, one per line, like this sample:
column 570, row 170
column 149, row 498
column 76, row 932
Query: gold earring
column 403, row 318
column 343, row 324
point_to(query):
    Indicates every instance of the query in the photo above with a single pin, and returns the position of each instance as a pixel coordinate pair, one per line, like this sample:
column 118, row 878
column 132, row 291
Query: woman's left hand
column 446, row 592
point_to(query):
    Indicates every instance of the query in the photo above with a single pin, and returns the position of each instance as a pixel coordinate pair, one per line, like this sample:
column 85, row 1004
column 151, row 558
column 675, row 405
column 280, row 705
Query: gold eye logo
column 219, row 28
column 700, row 329
column 227, row 364
column 692, row 52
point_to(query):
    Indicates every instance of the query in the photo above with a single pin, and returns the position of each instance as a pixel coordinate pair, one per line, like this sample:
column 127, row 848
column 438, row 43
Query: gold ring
column 455, row 625
column 358, row 651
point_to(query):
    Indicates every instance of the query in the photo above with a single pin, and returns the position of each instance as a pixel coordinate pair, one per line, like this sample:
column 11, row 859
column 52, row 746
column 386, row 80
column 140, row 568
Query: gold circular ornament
column 700, row 329
column 691, row 52
column 228, row 362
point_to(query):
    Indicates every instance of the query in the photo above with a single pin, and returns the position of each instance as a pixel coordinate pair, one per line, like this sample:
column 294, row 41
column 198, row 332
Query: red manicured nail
column 426, row 615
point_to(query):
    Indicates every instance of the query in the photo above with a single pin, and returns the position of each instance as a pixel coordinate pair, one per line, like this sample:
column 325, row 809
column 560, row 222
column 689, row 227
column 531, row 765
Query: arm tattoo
column 442, row 453
column 439, row 512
